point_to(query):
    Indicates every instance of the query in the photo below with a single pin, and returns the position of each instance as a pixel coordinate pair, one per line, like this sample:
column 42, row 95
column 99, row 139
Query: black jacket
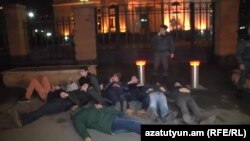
column 243, row 51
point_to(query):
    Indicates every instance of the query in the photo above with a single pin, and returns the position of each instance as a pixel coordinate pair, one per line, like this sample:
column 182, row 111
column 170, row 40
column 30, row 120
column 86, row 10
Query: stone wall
column 21, row 77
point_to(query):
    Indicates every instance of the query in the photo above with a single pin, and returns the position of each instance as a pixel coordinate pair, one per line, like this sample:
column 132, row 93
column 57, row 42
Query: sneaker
column 16, row 118
column 170, row 116
column 23, row 100
column 163, row 120
column 209, row 120
column 187, row 119
column 156, row 119
column 152, row 115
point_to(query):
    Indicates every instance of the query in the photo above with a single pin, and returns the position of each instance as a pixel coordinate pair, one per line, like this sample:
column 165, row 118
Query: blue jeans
column 51, row 107
column 125, row 124
column 158, row 101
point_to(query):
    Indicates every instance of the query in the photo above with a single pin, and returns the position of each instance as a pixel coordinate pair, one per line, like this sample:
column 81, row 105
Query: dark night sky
column 39, row 6
column 44, row 7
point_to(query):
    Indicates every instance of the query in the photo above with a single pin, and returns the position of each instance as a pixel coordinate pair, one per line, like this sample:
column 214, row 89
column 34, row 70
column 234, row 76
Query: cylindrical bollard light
column 141, row 70
column 195, row 73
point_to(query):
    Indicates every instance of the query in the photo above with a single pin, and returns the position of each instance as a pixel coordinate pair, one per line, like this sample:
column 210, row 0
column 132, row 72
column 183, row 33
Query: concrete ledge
column 57, row 75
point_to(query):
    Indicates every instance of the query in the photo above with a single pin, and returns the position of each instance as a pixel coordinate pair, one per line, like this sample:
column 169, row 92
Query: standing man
column 243, row 57
column 164, row 49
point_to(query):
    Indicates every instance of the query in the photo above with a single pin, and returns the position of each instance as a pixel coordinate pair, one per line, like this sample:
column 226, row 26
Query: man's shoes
column 169, row 116
column 163, row 120
column 187, row 119
column 208, row 120
column 152, row 115
column 156, row 119
column 15, row 117
column 23, row 100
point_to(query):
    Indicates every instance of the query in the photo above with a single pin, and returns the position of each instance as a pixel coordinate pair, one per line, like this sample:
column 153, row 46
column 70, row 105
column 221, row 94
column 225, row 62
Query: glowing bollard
column 195, row 73
column 141, row 70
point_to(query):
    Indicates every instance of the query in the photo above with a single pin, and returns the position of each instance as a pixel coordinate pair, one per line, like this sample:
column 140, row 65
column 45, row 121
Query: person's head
column 84, row 71
column 116, row 77
column 163, row 29
column 83, row 81
column 177, row 85
column 135, row 79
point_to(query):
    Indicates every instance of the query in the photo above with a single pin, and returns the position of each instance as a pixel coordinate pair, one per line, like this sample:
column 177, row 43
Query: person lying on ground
column 188, row 106
column 104, row 119
column 63, row 103
column 158, row 100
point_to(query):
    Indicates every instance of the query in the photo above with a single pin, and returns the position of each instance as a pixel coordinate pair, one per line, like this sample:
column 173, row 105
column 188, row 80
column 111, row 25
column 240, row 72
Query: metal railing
column 51, row 38
column 138, row 22
column 3, row 33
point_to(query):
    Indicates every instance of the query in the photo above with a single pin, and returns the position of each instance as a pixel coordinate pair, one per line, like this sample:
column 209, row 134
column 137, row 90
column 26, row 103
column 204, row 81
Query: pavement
column 216, row 98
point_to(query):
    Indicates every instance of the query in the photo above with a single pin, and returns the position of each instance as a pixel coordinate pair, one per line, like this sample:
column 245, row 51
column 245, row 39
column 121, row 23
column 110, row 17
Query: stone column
column 85, row 33
column 226, row 28
column 16, row 31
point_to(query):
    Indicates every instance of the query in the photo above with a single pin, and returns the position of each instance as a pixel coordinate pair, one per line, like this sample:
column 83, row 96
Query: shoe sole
column 17, row 119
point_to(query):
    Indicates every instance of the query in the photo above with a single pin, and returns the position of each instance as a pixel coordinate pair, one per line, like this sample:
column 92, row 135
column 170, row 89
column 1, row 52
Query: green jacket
column 92, row 118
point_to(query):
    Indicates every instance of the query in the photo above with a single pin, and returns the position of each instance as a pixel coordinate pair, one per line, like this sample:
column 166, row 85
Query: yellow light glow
column 202, row 26
column 140, row 63
column 66, row 33
column 123, row 29
column 194, row 63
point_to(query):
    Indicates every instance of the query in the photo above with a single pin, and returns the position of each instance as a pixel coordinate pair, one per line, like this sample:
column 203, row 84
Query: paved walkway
column 217, row 97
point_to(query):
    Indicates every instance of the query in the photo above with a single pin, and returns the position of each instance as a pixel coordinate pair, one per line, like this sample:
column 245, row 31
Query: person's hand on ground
column 98, row 106
column 87, row 139
column 64, row 95
column 73, row 108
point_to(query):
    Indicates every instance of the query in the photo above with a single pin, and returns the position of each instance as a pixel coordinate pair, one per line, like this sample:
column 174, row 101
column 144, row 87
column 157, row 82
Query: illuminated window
column 112, row 18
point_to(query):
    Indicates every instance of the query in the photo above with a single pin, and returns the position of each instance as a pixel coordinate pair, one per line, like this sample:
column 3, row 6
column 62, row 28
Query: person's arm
column 95, row 83
column 97, row 97
column 81, row 128
column 79, row 98
column 107, row 86
column 240, row 50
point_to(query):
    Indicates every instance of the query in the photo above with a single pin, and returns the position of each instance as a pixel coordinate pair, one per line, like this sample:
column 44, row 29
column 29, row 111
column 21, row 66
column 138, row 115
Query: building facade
column 140, row 16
